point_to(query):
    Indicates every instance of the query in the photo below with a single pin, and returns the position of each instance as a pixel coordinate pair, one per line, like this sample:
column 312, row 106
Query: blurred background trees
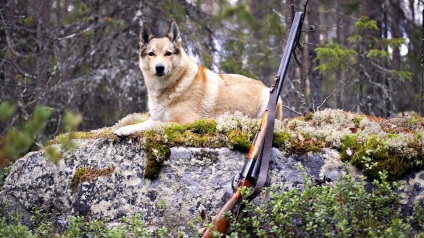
column 82, row 55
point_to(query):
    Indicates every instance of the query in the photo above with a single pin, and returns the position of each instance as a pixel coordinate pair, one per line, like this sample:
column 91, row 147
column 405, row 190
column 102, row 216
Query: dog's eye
column 151, row 54
column 168, row 53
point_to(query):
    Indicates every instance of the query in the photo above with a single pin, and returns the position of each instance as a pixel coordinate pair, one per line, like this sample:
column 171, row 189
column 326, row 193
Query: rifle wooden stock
column 257, row 143
column 220, row 222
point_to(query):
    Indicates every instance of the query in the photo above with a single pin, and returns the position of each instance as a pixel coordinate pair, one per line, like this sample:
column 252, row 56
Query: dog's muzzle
column 160, row 70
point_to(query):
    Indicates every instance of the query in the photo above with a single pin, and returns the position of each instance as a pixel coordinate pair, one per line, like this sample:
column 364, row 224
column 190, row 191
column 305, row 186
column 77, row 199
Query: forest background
column 79, row 58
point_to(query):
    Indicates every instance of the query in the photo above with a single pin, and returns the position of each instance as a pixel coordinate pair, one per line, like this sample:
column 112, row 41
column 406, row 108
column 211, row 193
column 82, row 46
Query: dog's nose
column 160, row 68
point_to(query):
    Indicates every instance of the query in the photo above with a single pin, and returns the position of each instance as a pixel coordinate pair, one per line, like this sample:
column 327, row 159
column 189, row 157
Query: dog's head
column 159, row 56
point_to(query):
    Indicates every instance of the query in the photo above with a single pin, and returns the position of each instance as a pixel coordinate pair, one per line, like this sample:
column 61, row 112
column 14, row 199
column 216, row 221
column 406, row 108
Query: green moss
column 309, row 116
column 157, row 151
column 280, row 138
column 82, row 135
column 371, row 147
column 195, row 134
column 77, row 178
column 304, row 143
column 203, row 126
column 357, row 120
column 373, row 156
column 154, row 160
column 239, row 140
column 392, row 136
column 412, row 121
column 87, row 174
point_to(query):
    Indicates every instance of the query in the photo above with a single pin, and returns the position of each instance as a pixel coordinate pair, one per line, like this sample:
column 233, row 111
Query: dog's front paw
column 124, row 131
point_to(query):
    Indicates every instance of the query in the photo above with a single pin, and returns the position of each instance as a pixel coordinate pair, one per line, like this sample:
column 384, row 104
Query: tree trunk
column 373, row 95
column 40, row 10
column 315, row 77
column 339, row 77
column 8, row 89
column 290, row 98
column 396, row 31
column 422, row 67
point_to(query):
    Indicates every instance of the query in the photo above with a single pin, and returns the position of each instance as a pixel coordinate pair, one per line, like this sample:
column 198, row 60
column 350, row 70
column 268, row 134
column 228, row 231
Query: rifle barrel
column 288, row 50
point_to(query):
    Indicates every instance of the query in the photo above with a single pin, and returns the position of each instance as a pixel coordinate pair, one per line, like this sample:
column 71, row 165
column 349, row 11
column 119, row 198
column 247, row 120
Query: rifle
column 255, row 169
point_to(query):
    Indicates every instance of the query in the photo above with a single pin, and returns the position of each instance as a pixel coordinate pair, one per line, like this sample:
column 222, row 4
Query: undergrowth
column 347, row 207
column 77, row 226
column 343, row 209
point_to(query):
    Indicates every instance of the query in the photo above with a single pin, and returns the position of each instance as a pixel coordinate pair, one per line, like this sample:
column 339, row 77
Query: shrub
column 343, row 209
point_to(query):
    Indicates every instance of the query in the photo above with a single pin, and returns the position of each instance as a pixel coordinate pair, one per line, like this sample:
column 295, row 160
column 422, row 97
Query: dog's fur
column 181, row 91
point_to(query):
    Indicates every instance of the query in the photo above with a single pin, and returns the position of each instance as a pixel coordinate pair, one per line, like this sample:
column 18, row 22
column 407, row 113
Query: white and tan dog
column 181, row 91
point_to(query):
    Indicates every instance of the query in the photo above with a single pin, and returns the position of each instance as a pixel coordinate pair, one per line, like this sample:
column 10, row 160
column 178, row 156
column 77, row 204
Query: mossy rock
column 374, row 155
column 372, row 144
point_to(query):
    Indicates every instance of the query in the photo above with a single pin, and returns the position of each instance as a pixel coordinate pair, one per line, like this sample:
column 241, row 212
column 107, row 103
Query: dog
column 181, row 91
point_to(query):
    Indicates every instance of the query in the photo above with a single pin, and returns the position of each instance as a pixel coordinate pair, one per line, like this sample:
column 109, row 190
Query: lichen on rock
column 190, row 167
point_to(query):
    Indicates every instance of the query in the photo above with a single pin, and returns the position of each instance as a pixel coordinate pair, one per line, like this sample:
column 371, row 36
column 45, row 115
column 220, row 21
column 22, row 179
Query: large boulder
column 104, row 177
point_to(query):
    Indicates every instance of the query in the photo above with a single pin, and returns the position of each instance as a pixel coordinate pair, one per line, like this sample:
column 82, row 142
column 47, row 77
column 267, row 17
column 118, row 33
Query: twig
column 89, row 28
column 9, row 43
column 326, row 27
column 354, row 106
column 286, row 107
column 276, row 13
column 317, row 109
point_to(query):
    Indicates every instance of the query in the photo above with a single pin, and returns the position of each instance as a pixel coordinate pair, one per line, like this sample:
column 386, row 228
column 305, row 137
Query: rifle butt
column 220, row 222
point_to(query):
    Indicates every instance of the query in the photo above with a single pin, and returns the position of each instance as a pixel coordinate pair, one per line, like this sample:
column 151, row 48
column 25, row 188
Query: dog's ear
column 174, row 34
column 146, row 35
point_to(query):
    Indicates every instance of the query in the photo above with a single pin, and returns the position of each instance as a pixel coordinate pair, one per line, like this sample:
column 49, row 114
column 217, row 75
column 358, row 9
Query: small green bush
column 344, row 209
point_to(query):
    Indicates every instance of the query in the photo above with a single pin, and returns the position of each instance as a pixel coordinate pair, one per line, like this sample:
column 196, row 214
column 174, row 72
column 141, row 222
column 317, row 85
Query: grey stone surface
column 192, row 179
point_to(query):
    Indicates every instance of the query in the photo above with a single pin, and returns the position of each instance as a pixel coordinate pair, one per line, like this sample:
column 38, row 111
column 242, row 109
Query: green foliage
column 82, row 8
column 6, row 110
column 365, row 24
column 241, row 13
column 78, row 226
column 332, row 57
column 280, row 138
column 380, row 54
column 402, row 75
column 18, row 142
column 26, row 21
column 343, row 209
column 72, row 121
column 4, row 172
column 251, row 39
column 395, row 42
column 15, row 228
column 198, row 133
